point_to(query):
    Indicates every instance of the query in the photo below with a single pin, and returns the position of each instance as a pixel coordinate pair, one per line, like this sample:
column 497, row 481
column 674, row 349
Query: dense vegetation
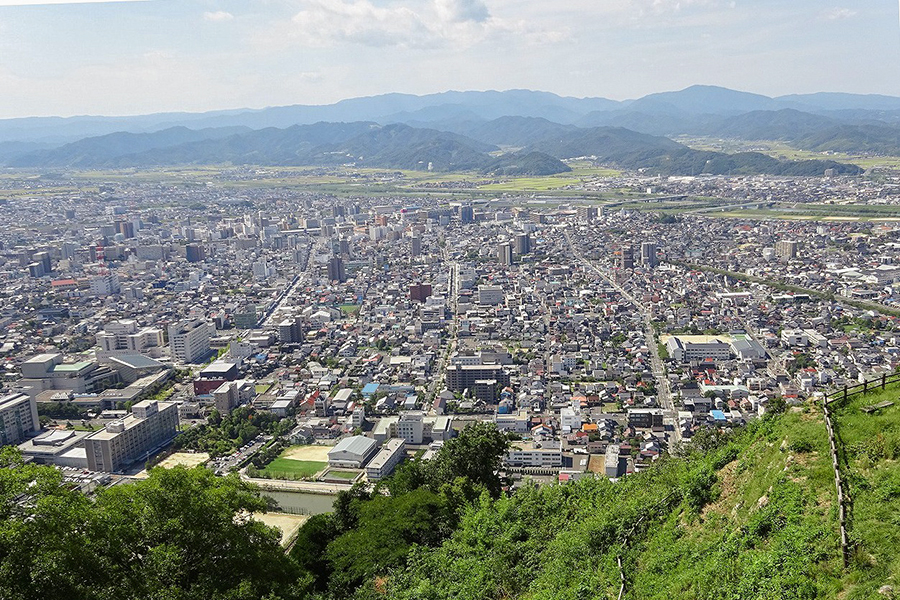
column 399, row 146
column 224, row 434
column 180, row 534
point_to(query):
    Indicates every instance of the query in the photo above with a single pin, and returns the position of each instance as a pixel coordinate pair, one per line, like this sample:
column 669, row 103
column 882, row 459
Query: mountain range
column 511, row 132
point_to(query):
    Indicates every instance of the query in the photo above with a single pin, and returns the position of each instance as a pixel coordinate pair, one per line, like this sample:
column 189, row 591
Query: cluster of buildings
column 594, row 333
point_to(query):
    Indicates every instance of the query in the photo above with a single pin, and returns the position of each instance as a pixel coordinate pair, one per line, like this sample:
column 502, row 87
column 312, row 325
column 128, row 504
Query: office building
column 490, row 294
column 189, row 340
column 150, row 425
column 415, row 246
column 18, row 418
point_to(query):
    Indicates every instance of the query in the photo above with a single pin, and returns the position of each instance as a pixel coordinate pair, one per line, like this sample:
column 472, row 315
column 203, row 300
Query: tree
column 181, row 533
column 476, row 454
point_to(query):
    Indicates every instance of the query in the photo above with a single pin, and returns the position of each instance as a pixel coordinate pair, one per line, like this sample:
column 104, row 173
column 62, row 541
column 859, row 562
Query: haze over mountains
column 512, row 132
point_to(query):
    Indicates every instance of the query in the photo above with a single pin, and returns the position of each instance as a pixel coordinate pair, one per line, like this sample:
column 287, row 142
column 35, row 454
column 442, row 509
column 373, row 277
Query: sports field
column 313, row 453
column 293, row 469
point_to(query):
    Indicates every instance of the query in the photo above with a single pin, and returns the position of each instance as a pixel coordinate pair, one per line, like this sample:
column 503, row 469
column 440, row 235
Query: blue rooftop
column 369, row 389
column 718, row 415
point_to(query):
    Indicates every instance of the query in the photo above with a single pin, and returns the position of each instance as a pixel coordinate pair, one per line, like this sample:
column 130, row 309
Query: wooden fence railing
column 843, row 496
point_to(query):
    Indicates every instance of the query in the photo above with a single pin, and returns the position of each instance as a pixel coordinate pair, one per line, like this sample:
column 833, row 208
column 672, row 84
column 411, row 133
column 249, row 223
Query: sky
column 128, row 57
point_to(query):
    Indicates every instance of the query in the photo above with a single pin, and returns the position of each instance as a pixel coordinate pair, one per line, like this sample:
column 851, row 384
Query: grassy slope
column 871, row 444
column 756, row 518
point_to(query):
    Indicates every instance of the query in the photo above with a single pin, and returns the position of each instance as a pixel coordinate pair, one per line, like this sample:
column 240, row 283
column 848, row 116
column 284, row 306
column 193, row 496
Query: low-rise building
column 352, row 452
column 390, row 455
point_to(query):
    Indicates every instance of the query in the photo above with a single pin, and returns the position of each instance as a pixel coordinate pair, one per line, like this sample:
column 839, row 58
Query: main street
column 656, row 364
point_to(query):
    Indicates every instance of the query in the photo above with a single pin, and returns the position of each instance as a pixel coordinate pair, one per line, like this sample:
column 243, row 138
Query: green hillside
column 753, row 516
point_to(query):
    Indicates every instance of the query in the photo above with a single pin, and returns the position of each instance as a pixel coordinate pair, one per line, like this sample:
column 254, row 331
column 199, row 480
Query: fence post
column 883, row 380
column 845, row 393
column 865, row 386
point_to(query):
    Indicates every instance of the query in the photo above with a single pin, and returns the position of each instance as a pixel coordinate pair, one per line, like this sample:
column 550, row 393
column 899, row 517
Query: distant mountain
column 686, row 111
column 703, row 100
column 784, row 124
column 527, row 164
column 517, row 131
column 835, row 101
column 606, row 143
column 876, row 139
column 107, row 149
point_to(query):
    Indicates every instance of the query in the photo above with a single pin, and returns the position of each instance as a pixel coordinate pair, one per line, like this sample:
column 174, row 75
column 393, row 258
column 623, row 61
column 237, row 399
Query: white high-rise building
column 18, row 418
column 189, row 340
column 123, row 338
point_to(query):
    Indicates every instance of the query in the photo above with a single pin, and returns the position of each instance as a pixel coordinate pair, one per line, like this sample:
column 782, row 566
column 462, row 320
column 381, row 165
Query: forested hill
column 531, row 146
column 749, row 514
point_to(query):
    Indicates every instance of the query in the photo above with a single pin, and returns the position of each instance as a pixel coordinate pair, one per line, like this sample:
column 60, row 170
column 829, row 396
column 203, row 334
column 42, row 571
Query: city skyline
column 144, row 56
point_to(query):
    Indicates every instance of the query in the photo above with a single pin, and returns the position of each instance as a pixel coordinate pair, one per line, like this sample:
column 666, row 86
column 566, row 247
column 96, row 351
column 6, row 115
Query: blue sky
column 131, row 56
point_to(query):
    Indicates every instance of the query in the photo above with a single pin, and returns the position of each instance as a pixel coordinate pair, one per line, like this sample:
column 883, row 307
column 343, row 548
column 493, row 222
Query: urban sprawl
column 139, row 317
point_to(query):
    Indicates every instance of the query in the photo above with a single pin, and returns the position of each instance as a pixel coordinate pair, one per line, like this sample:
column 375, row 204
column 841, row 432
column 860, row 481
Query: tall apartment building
column 18, row 418
column 189, row 340
column 586, row 214
column 123, row 338
column 290, row 331
column 787, row 249
column 523, row 244
column 627, row 257
column 419, row 292
column 150, row 425
column 505, row 253
column 336, row 269
column 648, row 254
column 104, row 285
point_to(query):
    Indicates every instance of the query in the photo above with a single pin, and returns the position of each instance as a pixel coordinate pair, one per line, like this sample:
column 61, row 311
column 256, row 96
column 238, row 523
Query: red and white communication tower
column 101, row 259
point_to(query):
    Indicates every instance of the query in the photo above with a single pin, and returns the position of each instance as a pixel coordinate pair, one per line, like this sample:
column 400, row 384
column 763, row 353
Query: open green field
column 350, row 309
column 292, row 469
column 783, row 151
column 350, row 180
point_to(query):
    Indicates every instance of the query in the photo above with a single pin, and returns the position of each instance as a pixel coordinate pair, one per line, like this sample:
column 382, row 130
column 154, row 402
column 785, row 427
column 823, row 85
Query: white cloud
column 837, row 13
column 218, row 16
column 400, row 23
column 45, row 2
column 459, row 11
